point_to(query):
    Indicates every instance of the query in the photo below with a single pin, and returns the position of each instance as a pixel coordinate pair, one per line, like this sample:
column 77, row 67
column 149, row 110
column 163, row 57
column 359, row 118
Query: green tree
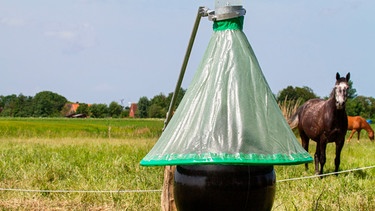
column 143, row 105
column 16, row 106
column 160, row 100
column 181, row 94
column 9, row 104
column 48, row 104
column 125, row 112
column 352, row 93
column 156, row 111
column 361, row 106
column 23, row 106
column 296, row 93
column 353, row 107
column 158, row 106
column 2, row 101
column 99, row 110
column 115, row 109
column 84, row 109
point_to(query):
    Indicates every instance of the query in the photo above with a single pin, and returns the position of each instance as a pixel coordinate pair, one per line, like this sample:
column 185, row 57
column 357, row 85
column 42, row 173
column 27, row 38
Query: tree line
column 50, row 104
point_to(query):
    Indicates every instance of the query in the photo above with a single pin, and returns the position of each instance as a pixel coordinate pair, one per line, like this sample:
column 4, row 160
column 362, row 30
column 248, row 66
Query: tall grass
column 347, row 191
column 289, row 107
column 53, row 162
column 77, row 164
column 78, row 154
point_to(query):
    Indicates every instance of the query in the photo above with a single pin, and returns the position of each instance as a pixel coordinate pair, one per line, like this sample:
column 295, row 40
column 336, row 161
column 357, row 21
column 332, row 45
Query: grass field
column 347, row 191
column 79, row 155
column 76, row 128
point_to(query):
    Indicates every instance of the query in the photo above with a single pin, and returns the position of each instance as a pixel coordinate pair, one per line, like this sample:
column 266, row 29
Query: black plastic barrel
column 224, row 187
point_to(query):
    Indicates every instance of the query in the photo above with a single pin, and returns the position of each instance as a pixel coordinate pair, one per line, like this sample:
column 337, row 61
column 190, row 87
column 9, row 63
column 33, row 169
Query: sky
column 99, row 51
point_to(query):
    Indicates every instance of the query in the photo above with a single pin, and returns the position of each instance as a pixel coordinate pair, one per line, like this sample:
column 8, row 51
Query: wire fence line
column 79, row 191
column 327, row 174
column 159, row 190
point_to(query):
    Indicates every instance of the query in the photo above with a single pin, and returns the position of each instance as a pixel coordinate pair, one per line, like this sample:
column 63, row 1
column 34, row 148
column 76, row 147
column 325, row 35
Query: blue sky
column 99, row 51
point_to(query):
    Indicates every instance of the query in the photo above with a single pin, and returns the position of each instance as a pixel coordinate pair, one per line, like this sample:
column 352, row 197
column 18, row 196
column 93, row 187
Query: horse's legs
column 339, row 146
column 359, row 134
column 305, row 144
column 322, row 157
column 351, row 135
column 316, row 161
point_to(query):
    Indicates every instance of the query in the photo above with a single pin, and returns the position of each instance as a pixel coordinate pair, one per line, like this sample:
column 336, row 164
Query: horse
column 324, row 121
column 356, row 124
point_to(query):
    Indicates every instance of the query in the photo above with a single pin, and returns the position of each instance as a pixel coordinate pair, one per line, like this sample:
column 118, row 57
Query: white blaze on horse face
column 340, row 94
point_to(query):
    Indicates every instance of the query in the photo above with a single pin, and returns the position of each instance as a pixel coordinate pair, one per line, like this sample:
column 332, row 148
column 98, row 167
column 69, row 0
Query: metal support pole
column 167, row 196
column 200, row 13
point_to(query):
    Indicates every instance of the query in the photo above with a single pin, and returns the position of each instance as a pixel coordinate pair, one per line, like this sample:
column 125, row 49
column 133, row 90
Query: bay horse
column 356, row 124
column 324, row 121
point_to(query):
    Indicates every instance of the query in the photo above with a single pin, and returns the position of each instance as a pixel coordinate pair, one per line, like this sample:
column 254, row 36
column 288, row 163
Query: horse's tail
column 294, row 120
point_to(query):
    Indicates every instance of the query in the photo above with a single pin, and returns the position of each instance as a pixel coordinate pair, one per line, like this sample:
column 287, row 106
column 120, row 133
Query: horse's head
column 341, row 90
column 371, row 135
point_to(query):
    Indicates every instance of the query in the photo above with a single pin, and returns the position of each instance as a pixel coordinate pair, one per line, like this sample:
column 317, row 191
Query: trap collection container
column 228, row 131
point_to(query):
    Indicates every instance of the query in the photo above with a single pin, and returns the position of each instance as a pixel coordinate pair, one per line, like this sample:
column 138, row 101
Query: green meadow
column 93, row 164
column 51, row 128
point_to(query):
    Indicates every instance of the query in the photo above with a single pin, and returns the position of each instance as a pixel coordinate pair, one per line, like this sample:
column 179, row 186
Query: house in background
column 133, row 109
column 71, row 109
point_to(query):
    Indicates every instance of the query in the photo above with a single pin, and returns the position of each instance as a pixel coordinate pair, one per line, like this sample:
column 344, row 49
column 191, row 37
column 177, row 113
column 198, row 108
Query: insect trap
column 228, row 131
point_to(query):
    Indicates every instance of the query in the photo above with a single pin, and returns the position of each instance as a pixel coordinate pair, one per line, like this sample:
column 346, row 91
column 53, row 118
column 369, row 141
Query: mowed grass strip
column 75, row 128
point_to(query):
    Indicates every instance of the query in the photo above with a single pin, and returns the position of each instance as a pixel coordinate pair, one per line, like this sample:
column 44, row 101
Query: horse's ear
column 337, row 76
column 348, row 76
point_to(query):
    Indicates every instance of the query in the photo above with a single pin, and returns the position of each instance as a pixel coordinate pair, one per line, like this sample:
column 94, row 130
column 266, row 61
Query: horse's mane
column 332, row 95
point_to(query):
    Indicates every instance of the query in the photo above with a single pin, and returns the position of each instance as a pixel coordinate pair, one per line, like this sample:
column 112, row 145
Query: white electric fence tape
column 150, row 191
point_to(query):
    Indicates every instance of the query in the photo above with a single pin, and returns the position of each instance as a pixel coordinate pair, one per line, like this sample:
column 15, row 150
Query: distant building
column 71, row 110
column 133, row 109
